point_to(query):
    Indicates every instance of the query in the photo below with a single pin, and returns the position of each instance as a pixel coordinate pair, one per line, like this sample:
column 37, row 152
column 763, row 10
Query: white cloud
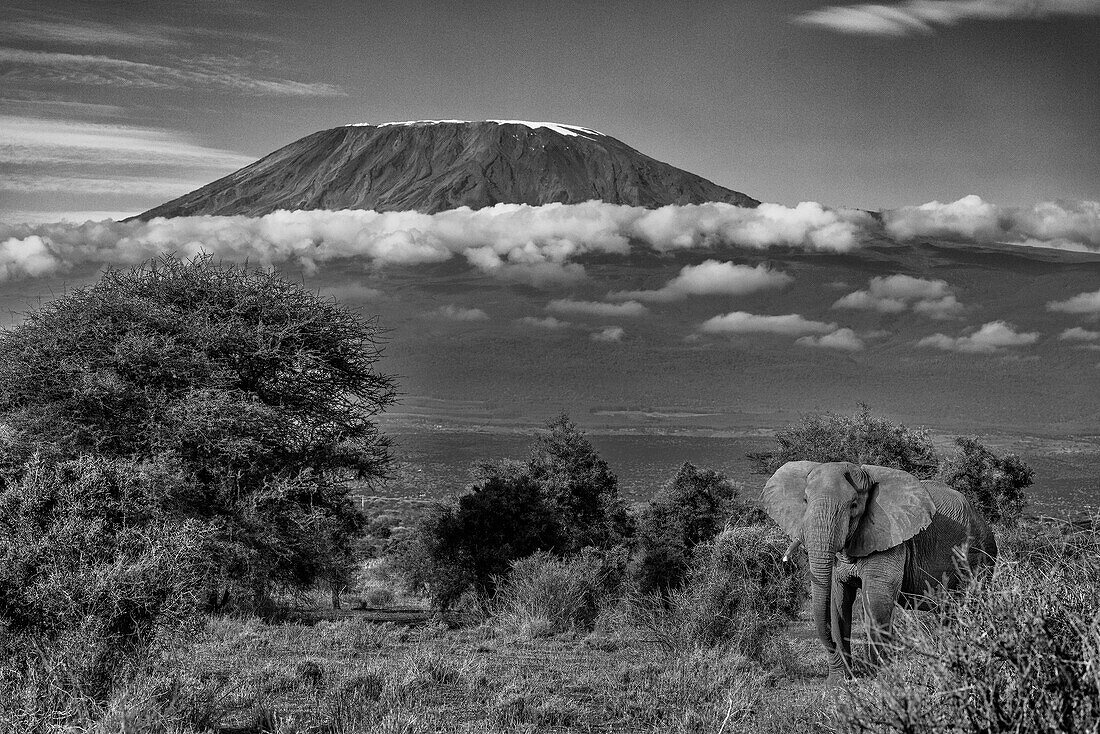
column 742, row 322
column 1063, row 225
column 1079, row 334
column 994, row 336
column 545, row 322
column 352, row 292
column 536, row 245
column 896, row 293
column 597, row 308
column 711, row 277
column 923, row 16
column 844, row 339
column 608, row 334
column 1081, row 303
column 806, row 226
column 459, row 313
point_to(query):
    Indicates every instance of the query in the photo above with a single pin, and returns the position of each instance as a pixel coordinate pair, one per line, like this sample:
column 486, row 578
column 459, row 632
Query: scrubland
column 1019, row 651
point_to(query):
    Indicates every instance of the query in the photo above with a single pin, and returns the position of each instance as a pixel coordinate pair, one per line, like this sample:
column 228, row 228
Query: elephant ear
column 784, row 495
column 898, row 507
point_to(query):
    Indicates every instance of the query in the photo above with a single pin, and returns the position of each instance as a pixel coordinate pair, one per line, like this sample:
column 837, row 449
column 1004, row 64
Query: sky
column 109, row 108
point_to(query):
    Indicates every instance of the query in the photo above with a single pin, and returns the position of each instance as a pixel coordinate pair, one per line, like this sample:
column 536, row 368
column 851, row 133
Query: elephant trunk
column 824, row 530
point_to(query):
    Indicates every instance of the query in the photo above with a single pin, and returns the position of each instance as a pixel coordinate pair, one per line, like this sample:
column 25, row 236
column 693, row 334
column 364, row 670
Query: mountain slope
column 430, row 166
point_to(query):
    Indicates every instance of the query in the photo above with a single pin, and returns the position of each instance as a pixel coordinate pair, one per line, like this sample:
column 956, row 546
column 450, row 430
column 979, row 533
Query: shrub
column 580, row 487
column 545, row 595
column 378, row 598
column 261, row 391
column 861, row 438
column 472, row 543
column 690, row 509
column 94, row 572
column 994, row 484
column 739, row 593
column 1019, row 651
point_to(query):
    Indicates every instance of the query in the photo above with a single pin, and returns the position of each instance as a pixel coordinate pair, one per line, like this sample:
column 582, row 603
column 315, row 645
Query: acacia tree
column 262, row 393
column 861, row 438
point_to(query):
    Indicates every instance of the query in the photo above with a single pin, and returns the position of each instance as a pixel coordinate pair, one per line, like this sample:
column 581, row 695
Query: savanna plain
column 215, row 519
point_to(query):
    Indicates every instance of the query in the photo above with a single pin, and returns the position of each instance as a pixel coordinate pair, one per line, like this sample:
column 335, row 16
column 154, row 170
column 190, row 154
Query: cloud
column 742, row 322
column 36, row 140
column 535, row 245
column 711, row 277
column 1062, row 225
column 1088, row 303
column 806, row 226
column 844, row 339
column 89, row 33
column 459, row 313
column 994, row 336
column 544, row 322
column 201, row 74
column 608, row 334
column 352, row 292
column 1079, row 334
column 136, row 185
column 896, row 293
column 923, row 16
column 596, row 308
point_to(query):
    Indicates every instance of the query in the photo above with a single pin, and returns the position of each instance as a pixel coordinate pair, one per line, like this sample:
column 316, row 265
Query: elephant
column 902, row 540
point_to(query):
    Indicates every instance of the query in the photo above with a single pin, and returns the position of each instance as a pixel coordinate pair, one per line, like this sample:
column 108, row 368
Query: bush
column 994, row 484
column 472, row 543
column 739, row 593
column 95, row 575
column 546, row 595
column 260, row 391
column 1019, row 651
column 690, row 509
column 580, row 487
column 861, row 438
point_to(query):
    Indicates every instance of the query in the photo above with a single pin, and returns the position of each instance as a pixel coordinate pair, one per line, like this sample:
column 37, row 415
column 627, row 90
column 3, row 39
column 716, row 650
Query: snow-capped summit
column 559, row 128
column 433, row 165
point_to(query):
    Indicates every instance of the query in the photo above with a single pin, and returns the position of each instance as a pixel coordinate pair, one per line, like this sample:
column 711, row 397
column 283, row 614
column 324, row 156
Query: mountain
column 433, row 165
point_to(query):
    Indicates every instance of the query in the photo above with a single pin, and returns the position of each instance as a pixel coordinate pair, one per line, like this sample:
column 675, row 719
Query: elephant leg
column 880, row 597
column 843, row 599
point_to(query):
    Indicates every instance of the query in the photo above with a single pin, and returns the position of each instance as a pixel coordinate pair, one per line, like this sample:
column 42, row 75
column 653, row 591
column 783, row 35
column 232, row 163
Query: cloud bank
column 897, row 293
column 536, row 245
column 994, row 336
column 711, row 278
column 1064, row 225
column 923, row 16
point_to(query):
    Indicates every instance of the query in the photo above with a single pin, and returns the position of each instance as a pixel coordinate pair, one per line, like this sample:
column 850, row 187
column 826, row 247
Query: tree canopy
column 260, row 392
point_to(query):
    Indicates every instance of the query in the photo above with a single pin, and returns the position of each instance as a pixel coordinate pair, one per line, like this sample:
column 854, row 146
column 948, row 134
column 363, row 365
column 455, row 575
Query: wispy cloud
column 461, row 313
column 545, row 322
column 918, row 17
column 897, row 293
column 994, row 336
column 37, row 140
column 629, row 309
column 711, row 278
column 129, row 185
column 1086, row 303
column 89, row 33
column 98, row 70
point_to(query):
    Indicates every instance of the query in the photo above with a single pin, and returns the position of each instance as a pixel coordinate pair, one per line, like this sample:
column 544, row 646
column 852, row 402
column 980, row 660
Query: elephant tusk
column 791, row 549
